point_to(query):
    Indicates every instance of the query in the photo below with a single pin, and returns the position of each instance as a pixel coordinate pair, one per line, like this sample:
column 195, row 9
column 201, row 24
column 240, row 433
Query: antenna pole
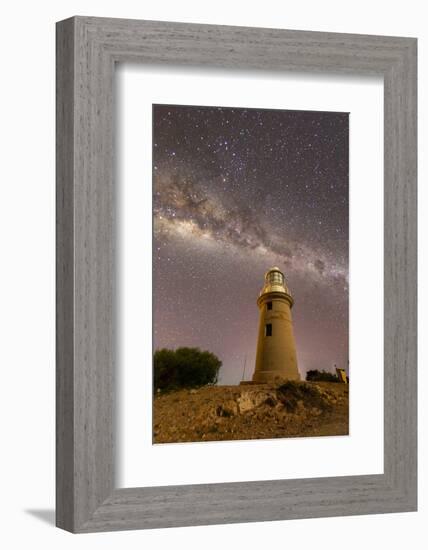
column 243, row 372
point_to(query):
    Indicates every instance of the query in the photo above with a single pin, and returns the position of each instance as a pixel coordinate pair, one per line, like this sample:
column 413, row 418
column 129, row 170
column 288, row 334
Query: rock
column 271, row 401
column 227, row 409
column 251, row 399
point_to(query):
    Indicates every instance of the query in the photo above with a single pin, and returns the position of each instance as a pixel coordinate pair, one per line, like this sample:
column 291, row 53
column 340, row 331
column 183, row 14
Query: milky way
column 236, row 191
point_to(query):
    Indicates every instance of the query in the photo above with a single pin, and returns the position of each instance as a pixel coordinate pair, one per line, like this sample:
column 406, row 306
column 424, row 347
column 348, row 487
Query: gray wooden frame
column 87, row 50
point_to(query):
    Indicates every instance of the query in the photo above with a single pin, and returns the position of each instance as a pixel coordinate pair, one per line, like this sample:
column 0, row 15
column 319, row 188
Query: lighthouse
column 276, row 350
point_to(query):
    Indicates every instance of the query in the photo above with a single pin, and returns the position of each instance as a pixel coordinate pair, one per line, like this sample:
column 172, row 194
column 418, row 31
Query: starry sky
column 235, row 192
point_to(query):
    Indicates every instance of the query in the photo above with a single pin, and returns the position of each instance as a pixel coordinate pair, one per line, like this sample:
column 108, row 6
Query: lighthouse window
column 269, row 305
column 268, row 329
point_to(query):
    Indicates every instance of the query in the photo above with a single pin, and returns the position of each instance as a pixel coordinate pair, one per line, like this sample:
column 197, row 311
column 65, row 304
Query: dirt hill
column 215, row 413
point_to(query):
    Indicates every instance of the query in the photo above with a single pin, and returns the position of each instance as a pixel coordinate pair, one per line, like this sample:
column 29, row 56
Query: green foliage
column 184, row 368
column 321, row 376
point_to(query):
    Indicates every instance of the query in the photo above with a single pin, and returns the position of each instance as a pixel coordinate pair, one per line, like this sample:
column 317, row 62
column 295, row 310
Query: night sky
column 237, row 191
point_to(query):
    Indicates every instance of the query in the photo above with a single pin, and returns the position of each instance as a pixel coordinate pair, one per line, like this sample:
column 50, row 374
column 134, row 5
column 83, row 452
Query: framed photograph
column 238, row 192
column 236, row 274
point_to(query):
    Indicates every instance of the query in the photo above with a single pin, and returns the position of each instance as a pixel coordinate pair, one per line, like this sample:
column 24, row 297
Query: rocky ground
column 215, row 413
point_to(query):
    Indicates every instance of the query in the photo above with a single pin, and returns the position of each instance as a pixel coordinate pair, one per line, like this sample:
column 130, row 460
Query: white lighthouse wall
column 144, row 464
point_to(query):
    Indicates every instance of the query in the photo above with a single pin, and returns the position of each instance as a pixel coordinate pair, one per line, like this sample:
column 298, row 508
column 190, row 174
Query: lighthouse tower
column 276, row 349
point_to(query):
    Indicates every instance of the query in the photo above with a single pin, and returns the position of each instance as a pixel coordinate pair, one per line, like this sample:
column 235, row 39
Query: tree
column 184, row 368
column 316, row 375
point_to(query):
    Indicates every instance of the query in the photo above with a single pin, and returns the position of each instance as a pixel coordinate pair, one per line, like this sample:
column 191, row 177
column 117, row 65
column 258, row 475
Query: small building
column 341, row 375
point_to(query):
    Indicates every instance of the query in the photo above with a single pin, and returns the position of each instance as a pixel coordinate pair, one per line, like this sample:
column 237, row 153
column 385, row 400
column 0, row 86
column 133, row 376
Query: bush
column 184, row 368
column 291, row 392
column 321, row 376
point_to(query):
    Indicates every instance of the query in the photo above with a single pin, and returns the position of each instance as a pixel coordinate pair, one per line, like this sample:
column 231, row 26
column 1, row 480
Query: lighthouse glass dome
column 275, row 277
column 274, row 282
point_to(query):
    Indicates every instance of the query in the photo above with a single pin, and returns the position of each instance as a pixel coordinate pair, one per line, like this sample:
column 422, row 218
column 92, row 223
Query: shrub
column 321, row 376
column 184, row 368
column 291, row 392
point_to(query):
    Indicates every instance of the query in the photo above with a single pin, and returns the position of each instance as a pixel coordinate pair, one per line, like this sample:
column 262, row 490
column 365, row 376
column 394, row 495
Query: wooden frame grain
column 87, row 50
